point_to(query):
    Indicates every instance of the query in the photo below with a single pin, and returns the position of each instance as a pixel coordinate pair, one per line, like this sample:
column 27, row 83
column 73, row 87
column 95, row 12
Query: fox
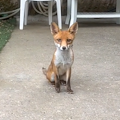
column 59, row 70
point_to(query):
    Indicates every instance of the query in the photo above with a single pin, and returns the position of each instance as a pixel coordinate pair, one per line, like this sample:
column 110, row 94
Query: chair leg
column 73, row 12
column 118, row 10
column 50, row 11
column 26, row 11
column 68, row 12
column 22, row 9
column 58, row 6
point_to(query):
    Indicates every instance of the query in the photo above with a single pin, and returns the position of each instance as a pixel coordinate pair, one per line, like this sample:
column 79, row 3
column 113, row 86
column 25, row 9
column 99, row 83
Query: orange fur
column 59, row 70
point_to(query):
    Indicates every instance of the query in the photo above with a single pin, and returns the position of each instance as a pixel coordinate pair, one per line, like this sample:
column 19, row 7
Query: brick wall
column 86, row 6
column 96, row 5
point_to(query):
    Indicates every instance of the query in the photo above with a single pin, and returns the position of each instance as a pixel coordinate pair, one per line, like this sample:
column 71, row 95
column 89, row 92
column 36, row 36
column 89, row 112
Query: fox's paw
column 70, row 91
column 63, row 82
column 53, row 83
column 57, row 87
column 44, row 71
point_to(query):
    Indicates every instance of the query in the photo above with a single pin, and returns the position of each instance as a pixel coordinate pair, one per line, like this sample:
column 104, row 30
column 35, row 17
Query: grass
column 6, row 29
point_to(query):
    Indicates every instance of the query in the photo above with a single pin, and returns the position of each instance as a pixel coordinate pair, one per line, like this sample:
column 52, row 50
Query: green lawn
column 6, row 28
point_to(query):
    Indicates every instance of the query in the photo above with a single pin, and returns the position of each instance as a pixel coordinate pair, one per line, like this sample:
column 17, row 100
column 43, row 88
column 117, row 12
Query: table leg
column 118, row 10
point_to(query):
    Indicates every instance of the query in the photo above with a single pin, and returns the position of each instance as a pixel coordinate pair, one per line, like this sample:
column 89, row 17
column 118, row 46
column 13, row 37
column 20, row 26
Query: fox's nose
column 64, row 48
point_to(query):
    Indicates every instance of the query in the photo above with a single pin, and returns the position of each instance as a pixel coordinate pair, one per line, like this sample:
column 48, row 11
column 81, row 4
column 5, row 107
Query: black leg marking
column 53, row 82
column 57, row 84
column 63, row 82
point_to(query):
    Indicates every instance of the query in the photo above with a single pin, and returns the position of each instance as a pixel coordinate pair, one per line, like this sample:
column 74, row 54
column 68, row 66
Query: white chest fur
column 63, row 59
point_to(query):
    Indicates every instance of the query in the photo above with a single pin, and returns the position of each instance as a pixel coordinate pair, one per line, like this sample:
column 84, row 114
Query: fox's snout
column 63, row 48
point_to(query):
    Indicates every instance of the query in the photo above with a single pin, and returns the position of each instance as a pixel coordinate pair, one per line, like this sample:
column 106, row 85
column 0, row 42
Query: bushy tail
column 44, row 71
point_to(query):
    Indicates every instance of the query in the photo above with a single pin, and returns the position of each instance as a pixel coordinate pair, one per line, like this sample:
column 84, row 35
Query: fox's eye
column 69, row 40
column 59, row 40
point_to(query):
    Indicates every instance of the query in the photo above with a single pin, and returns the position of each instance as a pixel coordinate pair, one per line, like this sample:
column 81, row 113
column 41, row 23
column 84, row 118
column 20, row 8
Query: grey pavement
column 25, row 94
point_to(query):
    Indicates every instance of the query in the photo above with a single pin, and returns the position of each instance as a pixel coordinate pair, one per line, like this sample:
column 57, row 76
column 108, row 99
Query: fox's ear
column 73, row 28
column 54, row 28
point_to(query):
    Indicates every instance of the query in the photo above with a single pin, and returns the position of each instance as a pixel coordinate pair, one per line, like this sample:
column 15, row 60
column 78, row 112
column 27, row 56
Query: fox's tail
column 44, row 71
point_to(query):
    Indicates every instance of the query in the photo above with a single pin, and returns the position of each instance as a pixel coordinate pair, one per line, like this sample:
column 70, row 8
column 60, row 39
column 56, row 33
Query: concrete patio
column 25, row 94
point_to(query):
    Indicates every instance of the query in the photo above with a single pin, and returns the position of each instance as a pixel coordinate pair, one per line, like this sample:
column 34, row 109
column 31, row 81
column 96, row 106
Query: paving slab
column 25, row 94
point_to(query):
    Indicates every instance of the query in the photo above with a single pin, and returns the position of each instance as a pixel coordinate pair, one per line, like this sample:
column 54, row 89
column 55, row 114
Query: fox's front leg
column 57, row 84
column 68, row 85
column 57, row 81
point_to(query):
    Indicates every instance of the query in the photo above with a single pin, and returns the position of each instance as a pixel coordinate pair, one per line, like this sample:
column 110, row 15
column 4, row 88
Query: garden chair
column 24, row 5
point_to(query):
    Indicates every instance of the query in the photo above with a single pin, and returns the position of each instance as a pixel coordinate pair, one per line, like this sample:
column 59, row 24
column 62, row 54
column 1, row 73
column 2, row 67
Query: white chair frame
column 24, row 5
column 72, row 13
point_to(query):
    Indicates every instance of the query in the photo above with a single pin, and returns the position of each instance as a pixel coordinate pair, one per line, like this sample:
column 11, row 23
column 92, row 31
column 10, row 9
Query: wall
column 86, row 6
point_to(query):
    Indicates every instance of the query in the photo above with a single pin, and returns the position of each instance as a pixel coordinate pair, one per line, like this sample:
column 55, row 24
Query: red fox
column 59, row 71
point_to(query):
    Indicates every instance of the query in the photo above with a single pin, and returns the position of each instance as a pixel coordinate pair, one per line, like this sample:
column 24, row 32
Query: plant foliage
column 6, row 28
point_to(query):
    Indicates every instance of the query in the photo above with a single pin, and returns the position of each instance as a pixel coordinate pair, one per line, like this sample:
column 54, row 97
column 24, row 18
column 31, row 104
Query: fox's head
column 63, row 39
